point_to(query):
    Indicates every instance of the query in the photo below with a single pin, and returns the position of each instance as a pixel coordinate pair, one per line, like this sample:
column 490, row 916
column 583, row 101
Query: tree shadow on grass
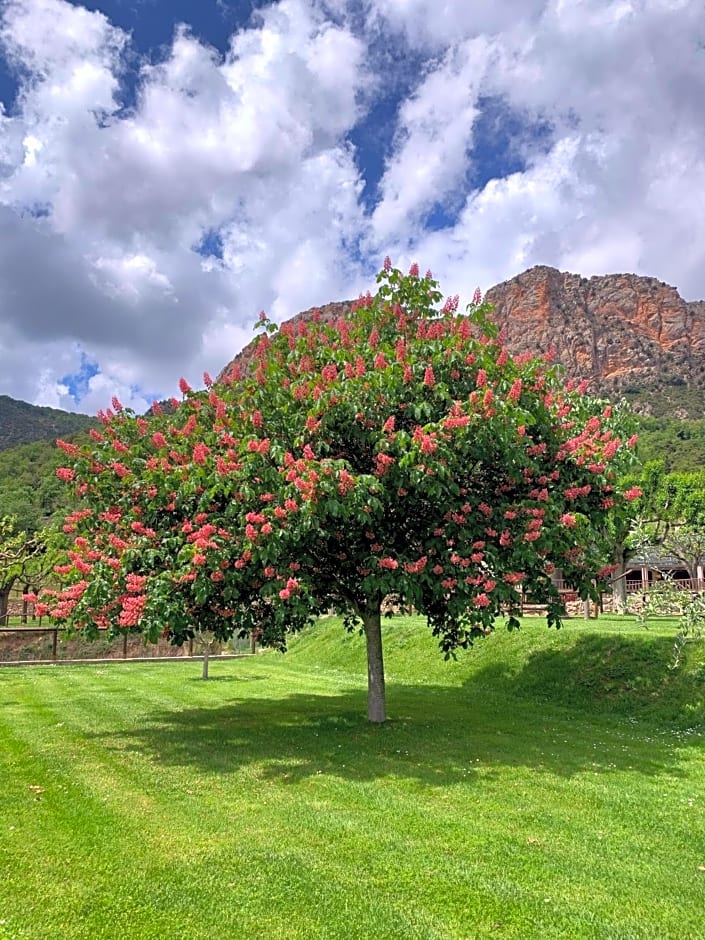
column 564, row 712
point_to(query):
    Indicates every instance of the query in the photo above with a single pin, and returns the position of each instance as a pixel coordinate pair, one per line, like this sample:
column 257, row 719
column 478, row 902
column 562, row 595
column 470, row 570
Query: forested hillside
column 29, row 488
column 21, row 423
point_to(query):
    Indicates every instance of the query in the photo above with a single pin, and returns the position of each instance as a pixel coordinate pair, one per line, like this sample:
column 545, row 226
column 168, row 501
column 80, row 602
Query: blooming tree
column 399, row 451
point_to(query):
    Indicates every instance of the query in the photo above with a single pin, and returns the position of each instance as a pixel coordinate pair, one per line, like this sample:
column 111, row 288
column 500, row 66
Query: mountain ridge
column 628, row 335
column 23, row 423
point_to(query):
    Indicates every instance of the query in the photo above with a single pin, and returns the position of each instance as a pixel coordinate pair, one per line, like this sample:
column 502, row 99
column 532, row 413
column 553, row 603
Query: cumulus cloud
column 102, row 208
column 616, row 181
column 150, row 209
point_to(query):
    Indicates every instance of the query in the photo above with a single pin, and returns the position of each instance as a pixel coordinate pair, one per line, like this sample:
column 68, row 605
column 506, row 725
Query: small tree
column 401, row 451
column 669, row 516
column 17, row 550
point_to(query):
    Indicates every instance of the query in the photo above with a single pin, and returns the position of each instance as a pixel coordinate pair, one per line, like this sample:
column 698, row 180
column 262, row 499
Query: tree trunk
column 619, row 582
column 4, row 599
column 372, row 623
column 206, row 654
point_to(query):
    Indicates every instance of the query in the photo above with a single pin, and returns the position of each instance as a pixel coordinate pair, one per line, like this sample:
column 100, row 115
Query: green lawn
column 544, row 785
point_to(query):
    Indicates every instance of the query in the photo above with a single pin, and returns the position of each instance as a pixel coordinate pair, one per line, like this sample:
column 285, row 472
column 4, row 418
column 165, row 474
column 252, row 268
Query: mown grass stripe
column 262, row 803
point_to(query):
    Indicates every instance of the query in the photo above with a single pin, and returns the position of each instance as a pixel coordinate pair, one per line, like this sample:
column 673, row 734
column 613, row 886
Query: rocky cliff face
column 627, row 335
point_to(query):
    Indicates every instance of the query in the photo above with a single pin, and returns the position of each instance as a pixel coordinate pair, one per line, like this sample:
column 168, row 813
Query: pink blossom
column 569, row 520
column 379, row 361
column 383, row 463
column 285, row 594
column 632, row 494
column 514, row 577
column 481, row 380
column 65, row 473
column 135, row 583
column 184, row 386
column 414, row 270
column 200, row 452
column 132, row 608
column 387, row 264
column 481, row 600
column 428, row 377
column 611, row 449
column 390, row 563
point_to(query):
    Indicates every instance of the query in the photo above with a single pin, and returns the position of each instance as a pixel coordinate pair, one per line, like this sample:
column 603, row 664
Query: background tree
column 17, row 551
column 402, row 451
column 671, row 512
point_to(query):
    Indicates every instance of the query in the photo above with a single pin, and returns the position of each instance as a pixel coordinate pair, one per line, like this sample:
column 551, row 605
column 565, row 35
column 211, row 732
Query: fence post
column 54, row 643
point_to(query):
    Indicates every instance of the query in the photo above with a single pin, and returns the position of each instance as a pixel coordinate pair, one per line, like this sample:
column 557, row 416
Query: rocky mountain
column 22, row 423
column 629, row 336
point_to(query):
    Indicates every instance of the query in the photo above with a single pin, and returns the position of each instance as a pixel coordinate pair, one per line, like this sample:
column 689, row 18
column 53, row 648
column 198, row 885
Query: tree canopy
column 670, row 515
column 19, row 558
column 400, row 452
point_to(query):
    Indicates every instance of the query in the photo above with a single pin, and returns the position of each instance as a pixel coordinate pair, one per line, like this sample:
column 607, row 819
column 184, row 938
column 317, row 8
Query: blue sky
column 168, row 169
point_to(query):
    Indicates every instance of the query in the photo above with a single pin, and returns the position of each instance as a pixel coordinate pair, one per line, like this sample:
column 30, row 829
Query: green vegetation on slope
column 510, row 796
column 679, row 443
column 29, row 489
column 21, row 423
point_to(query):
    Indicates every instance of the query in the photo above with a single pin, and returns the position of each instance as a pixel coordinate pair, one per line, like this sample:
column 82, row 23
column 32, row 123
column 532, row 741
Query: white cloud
column 101, row 206
column 250, row 147
column 618, row 183
column 433, row 140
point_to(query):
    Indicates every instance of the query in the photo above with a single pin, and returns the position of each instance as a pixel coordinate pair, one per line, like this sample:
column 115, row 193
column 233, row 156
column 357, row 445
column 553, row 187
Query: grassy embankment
column 545, row 785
